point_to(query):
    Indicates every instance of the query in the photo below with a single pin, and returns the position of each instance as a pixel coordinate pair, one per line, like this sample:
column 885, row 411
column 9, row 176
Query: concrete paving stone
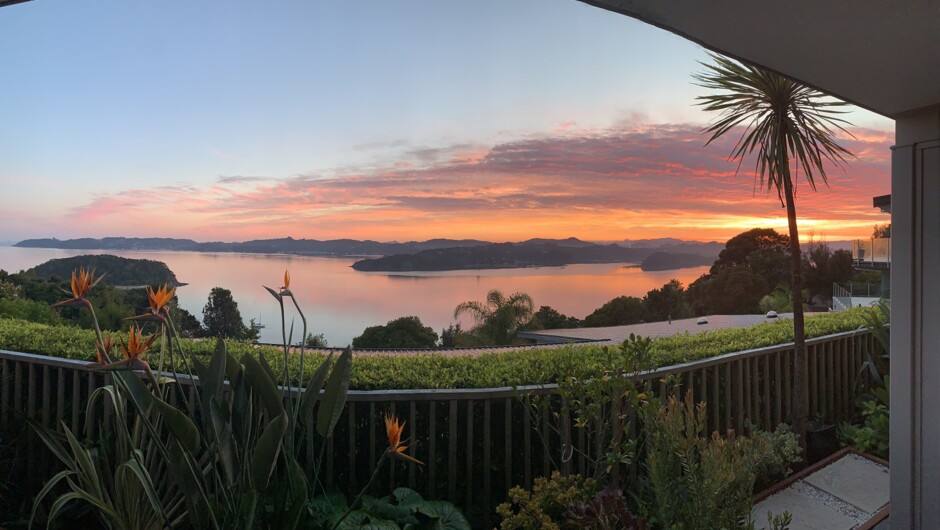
column 856, row 480
column 808, row 513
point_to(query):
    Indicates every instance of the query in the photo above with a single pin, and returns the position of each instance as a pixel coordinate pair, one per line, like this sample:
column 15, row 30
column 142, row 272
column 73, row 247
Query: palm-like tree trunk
column 783, row 122
column 798, row 407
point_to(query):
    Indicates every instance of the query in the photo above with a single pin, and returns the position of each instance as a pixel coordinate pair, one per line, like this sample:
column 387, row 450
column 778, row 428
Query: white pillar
column 915, row 321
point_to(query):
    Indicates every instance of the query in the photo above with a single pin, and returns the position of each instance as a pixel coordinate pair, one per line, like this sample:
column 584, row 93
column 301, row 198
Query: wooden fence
column 478, row 443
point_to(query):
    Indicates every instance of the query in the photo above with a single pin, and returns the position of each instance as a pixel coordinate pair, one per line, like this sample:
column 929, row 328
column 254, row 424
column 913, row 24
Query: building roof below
column 618, row 334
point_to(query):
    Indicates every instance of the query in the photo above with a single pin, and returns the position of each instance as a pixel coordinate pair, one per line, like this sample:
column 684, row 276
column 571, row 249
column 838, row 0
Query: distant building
column 872, row 254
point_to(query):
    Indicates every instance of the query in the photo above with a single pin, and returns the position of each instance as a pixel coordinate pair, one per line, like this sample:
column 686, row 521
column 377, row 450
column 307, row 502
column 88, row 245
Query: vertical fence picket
column 452, row 453
column 487, row 444
column 91, row 418
column 508, row 440
column 17, row 387
column 765, row 383
column 748, row 395
column 755, row 390
column 728, row 410
column 468, row 473
column 527, row 441
column 76, row 400
column 716, row 422
column 739, row 393
column 432, row 449
column 372, row 420
column 351, row 446
column 31, row 389
column 847, row 372
column 59, row 397
column 5, row 377
column 830, row 388
column 413, row 448
column 788, row 384
column 778, row 390
column 545, row 435
column 582, row 450
column 813, row 366
column 46, row 395
column 565, row 437
column 392, row 464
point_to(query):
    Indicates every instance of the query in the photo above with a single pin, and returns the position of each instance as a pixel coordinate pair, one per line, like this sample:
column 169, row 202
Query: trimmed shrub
column 437, row 370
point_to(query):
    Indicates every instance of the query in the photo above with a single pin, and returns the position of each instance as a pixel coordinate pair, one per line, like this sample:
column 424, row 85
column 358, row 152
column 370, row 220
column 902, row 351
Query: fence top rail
column 423, row 394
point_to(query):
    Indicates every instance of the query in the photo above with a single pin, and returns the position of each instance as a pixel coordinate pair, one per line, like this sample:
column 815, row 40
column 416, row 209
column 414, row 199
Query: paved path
column 843, row 495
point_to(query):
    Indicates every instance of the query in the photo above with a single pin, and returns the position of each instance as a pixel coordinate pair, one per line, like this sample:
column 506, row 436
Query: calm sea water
column 340, row 302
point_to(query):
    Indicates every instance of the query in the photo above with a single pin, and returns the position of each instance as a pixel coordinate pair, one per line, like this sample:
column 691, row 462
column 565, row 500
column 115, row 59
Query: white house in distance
column 885, row 57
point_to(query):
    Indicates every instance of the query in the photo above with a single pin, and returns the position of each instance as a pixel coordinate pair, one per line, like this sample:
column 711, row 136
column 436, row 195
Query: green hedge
column 434, row 370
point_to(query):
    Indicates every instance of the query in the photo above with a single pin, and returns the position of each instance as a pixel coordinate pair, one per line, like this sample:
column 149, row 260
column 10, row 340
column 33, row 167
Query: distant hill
column 504, row 255
column 431, row 255
column 666, row 261
column 288, row 245
column 117, row 270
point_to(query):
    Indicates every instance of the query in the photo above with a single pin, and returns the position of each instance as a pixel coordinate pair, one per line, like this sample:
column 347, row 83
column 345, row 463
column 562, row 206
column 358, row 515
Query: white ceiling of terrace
column 880, row 55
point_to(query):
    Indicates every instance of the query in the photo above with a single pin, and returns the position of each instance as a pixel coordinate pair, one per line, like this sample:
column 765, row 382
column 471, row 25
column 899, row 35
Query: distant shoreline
column 436, row 255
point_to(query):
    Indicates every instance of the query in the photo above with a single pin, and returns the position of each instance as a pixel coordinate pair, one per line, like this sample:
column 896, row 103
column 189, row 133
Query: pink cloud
column 647, row 181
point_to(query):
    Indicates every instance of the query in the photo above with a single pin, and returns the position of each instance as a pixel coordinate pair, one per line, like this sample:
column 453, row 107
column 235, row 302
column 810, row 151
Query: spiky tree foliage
column 500, row 316
column 790, row 129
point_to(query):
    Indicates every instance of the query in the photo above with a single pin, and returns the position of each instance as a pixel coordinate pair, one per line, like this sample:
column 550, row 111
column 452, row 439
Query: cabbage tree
column 790, row 130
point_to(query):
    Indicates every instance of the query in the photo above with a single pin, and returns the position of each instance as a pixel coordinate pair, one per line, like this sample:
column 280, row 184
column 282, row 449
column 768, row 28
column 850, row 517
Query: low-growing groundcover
column 437, row 370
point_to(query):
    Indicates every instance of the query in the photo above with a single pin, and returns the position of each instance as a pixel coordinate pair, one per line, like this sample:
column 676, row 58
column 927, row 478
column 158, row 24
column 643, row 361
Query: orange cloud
column 652, row 181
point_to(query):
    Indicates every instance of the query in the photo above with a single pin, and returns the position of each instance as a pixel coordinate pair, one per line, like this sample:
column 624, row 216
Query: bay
column 340, row 302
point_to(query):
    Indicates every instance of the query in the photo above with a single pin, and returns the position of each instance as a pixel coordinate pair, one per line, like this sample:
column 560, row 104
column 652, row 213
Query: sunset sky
column 406, row 120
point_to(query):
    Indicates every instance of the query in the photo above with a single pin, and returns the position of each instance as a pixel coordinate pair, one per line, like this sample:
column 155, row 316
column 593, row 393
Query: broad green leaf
column 185, row 475
column 267, row 368
column 273, row 293
column 360, row 520
column 382, row 509
column 222, row 431
column 267, row 450
column 180, row 425
column 233, row 369
column 334, row 399
column 200, row 367
column 259, row 380
column 139, row 393
column 215, row 376
column 447, row 515
column 407, row 497
column 312, row 392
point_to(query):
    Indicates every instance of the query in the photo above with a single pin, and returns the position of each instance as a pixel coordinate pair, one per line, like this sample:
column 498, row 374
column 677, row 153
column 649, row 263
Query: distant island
column 118, row 271
column 540, row 253
column 431, row 255
column 667, row 261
